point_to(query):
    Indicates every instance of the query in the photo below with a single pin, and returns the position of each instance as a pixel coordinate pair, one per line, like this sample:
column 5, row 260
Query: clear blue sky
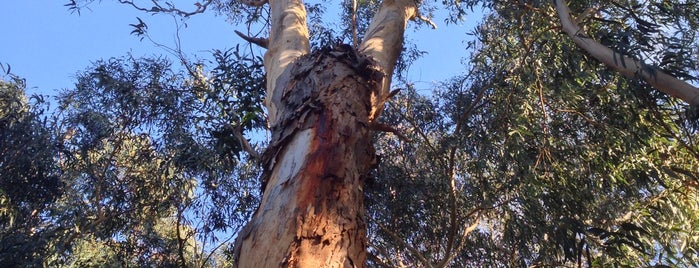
column 46, row 44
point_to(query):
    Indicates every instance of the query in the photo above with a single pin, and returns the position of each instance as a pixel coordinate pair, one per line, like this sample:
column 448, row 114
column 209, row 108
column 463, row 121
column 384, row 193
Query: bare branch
column 426, row 20
column 254, row 3
column 625, row 65
column 238, row 133
column 158, row 8
column 262, row 42
column 451, row 255
column 387, row 128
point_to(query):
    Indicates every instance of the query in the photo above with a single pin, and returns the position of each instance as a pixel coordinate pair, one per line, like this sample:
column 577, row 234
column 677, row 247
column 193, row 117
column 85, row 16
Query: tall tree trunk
column 321, row 109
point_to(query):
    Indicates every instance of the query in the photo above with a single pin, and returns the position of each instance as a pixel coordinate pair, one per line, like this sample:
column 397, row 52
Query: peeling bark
column 321, row 108
column 627, row 66
column 288, row 40
column 312, row 211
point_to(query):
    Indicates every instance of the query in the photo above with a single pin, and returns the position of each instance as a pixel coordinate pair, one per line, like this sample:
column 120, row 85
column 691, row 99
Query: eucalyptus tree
column 29, row 178
column 147, row 154
column 540, row 155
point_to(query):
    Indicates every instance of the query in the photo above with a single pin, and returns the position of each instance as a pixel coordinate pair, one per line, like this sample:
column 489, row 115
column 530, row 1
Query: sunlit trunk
column 321, row 109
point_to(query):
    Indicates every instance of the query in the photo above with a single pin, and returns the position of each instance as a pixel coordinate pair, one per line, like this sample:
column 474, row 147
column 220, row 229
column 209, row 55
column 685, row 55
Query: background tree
column 29, row 178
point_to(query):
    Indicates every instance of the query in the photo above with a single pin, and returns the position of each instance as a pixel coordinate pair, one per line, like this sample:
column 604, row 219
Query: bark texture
column 312, row 212
column 288, row 40
column 627, row 66
column 321, row 107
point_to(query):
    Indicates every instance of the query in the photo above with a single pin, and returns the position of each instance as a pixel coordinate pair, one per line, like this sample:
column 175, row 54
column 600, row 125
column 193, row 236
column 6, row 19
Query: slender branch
column 452, row 255
column 180, row 239
column 158, row 8
column 625, row 65
column 421, row 133
column 377, row 260
column 452, row 215
column 387, row 128
column 451, row 170
column 238, row 133
column 426, row 20
column 254, row 3
column 262, row 42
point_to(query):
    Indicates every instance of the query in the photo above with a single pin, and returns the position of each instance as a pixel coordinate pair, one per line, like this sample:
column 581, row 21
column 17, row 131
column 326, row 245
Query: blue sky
column 46, row 44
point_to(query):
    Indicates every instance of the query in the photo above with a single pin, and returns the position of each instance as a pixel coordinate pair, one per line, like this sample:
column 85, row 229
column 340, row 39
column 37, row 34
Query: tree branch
column 627, row 66
column 157, row 7
column 262, row 42
column 383, row 42
column 387, row 128
column 238, row 133
column 402, row 242
column 288, row 40
column 254, row 3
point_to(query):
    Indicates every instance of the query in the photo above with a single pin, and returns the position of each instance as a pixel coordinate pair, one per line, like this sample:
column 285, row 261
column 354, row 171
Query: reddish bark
column 312, row 212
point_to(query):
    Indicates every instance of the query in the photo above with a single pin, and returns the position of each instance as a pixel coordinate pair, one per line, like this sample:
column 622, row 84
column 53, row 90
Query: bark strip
column 627, row 66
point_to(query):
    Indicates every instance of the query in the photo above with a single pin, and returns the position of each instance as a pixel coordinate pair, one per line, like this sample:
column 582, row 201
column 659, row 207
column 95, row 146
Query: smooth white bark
column 383, row 42
column 288, row 40
column 627, row 66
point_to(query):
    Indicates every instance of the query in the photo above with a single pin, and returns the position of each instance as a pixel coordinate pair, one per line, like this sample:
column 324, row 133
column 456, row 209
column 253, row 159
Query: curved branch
column 238, row 133
column 156, row 8
column 627, row 66
column 402, row 242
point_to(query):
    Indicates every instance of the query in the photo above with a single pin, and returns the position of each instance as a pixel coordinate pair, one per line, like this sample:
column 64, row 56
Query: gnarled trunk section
column 312, row 212
column 321, row 107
